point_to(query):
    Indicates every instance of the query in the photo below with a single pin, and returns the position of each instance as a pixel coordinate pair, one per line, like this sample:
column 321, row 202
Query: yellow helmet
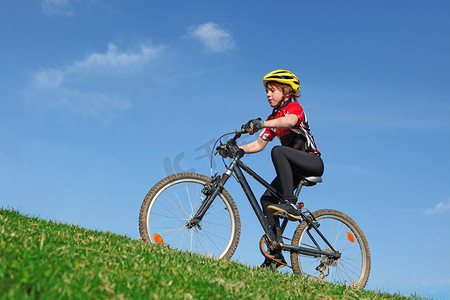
column 283, row 77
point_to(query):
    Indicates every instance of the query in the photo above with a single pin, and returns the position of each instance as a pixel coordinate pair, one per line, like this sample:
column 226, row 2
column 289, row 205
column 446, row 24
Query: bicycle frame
column 236, row 167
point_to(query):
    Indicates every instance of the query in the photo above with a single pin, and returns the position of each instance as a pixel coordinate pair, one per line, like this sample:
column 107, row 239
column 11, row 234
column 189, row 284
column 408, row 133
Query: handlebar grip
column 240, row 131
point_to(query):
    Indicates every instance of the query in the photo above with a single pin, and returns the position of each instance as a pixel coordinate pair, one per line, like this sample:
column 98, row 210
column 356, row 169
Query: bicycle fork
column 211, row 190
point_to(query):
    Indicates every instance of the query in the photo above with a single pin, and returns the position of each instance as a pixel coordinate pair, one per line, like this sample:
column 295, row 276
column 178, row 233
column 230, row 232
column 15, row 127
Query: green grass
column 49, row 260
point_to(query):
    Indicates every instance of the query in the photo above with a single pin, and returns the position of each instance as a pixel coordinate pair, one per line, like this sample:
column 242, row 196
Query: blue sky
column 100, row 99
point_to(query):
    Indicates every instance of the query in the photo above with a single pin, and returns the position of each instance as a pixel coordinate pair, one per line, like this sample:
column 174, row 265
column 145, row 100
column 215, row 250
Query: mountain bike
column 193, row 212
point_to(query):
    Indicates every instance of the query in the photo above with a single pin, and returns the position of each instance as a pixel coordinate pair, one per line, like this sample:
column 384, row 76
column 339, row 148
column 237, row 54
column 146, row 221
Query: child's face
column 274, row 95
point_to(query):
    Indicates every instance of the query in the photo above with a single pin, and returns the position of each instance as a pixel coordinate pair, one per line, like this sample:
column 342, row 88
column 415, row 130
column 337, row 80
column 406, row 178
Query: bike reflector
column 350, row 237
column 159, row 240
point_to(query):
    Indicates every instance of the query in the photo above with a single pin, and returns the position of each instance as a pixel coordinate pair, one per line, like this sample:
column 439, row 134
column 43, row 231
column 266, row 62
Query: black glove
column 222, row 149
column 253, row 126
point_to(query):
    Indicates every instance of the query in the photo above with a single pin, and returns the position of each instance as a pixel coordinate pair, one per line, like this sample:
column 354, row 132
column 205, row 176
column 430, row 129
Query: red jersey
column 299, row 136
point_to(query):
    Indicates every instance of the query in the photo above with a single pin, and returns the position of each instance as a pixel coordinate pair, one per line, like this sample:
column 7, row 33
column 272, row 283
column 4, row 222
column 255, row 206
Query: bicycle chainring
column 264, row 242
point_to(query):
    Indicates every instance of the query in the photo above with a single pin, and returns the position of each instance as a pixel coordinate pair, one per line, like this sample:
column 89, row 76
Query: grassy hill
column 49, row 260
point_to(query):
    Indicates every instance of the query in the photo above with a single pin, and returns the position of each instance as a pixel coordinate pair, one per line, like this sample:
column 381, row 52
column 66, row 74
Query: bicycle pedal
column 281, row 214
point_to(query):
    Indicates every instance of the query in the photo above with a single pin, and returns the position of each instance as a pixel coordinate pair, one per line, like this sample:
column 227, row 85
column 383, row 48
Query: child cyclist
column 297, row 154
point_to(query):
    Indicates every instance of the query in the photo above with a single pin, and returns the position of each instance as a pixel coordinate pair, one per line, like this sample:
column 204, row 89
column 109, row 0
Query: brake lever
column 220, row 147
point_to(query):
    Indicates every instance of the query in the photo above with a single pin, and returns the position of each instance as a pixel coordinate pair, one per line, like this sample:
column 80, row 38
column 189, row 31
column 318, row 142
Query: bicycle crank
column 265, row 242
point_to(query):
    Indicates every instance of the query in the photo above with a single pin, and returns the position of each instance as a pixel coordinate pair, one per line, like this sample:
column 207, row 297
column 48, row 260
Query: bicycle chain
column 262, row 242
column 321, row 268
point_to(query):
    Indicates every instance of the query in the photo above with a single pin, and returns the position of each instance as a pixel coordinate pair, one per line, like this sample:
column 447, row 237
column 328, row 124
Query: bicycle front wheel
column 170, row 205
column 352, row 268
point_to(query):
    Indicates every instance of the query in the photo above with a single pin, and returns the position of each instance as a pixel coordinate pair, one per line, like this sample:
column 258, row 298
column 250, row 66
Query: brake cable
column 214, row 148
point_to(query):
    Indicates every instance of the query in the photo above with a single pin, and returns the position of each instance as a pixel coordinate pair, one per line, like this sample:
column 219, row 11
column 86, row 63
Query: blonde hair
column 286, row 89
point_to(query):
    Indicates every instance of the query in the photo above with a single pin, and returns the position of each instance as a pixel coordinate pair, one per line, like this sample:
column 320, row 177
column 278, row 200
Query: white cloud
column 439, row 208
column 213, row 37
column 114, row 59
column 93, row 86
column 68, row 7
column 58, row 7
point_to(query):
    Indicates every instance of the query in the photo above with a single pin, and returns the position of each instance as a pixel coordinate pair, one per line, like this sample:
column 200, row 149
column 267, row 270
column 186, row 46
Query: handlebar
column 230, row 147
column 237, row 134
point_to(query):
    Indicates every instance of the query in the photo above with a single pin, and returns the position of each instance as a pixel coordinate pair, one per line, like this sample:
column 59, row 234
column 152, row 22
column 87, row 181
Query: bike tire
column 352, row 269
column 169, row 205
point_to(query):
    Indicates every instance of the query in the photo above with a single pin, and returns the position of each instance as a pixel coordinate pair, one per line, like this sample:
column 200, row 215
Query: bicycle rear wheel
column 352, row 268
column 173, row 201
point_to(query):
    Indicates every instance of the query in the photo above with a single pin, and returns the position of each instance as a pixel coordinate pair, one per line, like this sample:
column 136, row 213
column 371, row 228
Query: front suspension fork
column 211, row 190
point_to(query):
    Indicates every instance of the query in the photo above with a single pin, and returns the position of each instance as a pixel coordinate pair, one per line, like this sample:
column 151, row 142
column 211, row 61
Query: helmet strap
column 280, row 105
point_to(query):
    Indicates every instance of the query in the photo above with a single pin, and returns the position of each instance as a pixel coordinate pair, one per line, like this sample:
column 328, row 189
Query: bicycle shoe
column 268, row 262
column 287, row 207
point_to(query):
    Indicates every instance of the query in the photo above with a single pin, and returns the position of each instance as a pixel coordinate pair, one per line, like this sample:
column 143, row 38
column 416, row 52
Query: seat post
column 299, row 188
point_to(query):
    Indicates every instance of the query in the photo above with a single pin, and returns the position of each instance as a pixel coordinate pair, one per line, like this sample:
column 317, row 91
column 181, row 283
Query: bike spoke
column 178, row 205
column 349, row 268
column 172, row 210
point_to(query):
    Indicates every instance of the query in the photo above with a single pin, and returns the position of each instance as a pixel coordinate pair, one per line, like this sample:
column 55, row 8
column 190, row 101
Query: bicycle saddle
column 310, row 180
